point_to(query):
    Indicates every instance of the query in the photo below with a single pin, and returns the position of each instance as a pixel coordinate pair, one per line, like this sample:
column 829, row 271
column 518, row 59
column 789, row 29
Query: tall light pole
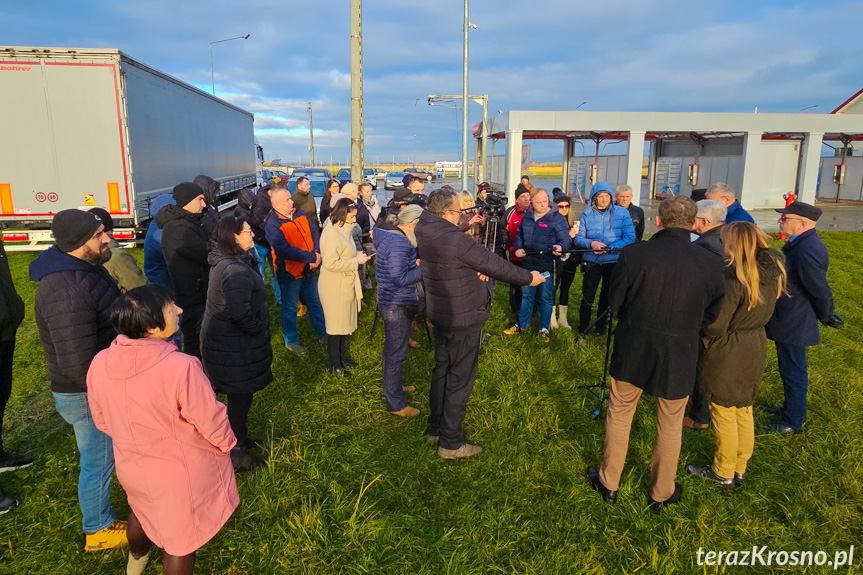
column 467, row 26
column 311, row 137
column 357, row 160
column 212, row 76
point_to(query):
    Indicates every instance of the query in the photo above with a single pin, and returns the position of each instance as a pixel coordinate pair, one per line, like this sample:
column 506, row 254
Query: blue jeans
column 97, row 461
column 305, row 289
column 397, row 333
column 265, row 260
column 795, row 381
column 546, row 303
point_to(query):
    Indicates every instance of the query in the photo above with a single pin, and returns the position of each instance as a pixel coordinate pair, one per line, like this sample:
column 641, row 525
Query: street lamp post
column 212, row 75
column 467, row 26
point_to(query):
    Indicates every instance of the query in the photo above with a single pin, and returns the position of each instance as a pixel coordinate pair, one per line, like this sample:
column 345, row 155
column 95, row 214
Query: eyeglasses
column 562, row 207
column 784, row 218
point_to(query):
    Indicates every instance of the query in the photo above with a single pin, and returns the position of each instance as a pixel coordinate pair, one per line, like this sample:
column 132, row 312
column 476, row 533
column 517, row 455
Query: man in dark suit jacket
column 663, row 291
column 458, row 296
column 794, row 325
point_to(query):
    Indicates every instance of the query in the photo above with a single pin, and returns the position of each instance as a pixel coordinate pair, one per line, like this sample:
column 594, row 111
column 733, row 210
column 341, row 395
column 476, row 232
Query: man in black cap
column 185, row 247
column 122, row 266
column 794, row 325
column 73, row 314
column 511, row 221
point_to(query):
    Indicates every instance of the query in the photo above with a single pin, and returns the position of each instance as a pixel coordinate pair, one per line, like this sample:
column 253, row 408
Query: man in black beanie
column 185, row 247
column 73, row 314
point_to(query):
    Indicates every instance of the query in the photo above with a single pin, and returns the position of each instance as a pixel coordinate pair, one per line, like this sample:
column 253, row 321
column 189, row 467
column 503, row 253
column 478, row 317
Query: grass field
column 352, row 489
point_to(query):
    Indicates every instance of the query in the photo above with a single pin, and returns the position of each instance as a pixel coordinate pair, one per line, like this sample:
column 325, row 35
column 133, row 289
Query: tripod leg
column 375, row 323
column 604, row 386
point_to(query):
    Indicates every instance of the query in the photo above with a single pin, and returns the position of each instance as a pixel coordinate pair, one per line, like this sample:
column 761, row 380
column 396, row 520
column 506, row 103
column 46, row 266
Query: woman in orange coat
column 171, row 436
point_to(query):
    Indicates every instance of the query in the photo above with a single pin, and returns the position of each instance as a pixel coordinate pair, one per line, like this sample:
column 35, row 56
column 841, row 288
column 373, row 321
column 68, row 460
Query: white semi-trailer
column 83, row 127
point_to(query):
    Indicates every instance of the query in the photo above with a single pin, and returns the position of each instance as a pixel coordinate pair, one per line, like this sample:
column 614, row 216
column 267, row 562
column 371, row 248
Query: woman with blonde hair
column 734, row 349
column 470, row 222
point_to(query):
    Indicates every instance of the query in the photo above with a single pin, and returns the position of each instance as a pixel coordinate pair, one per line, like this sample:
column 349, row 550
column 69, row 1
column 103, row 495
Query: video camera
column 492, row 206
column 394, row 205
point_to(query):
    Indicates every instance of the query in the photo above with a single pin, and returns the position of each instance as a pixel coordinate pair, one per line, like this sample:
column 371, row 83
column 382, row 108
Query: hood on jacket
column 174, row 212
column 129, row 357
column 383, row 235
column 211, row 189
column 53, row 260
column 160, row 202
column 598, row 188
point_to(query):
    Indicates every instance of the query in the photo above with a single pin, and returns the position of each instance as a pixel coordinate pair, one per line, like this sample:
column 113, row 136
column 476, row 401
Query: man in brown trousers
column 662, row 292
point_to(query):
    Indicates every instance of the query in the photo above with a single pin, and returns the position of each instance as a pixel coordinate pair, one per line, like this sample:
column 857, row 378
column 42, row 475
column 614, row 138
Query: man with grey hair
column 708, row 225
column 623, row 198
column 722, row 192
column 458, row 295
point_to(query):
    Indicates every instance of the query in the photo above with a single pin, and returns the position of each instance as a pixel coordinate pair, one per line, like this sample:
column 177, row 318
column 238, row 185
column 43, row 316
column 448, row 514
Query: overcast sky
column 629, row 55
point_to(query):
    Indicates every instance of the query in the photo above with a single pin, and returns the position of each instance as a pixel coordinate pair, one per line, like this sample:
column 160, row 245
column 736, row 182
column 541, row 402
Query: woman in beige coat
column 339, row 285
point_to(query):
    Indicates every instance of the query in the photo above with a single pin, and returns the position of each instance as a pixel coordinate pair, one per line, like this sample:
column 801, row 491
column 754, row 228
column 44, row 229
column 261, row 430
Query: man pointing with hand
column 455, row 272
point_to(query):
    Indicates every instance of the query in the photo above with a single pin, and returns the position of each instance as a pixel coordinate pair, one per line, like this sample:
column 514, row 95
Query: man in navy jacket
column 722, row 192
column 543, row 234
column 794, row 325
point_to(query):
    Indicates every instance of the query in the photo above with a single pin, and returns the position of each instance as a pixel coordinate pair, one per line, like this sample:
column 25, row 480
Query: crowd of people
column 135, row 360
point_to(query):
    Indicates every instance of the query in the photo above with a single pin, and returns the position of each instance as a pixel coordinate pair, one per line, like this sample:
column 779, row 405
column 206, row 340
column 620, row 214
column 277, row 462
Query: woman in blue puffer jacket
column 398, row 274
column 602, row 225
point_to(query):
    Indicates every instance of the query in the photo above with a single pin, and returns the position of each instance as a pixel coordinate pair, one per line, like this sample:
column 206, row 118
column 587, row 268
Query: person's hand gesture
column 556, row 250
column 538, row 278
column 598, row 247
column 519, row 253
column 362, row 258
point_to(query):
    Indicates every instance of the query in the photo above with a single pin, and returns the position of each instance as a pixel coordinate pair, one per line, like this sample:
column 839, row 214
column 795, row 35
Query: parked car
column 393, row 180
column 380, row 173
column 318, row 178
column 420, row 173
column 344, row 176
column 273, row 176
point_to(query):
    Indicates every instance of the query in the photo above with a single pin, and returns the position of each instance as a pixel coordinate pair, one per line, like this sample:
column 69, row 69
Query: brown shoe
column 408, row 388
column 413, row 343
column 689, row 423
column 466, row 450
column 407, row 412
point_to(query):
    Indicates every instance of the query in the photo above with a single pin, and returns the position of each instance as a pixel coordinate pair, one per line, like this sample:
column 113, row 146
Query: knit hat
column 409, row 214
column 335, row 198
column 73, row 228
column 185, row 192
column 350, row 187
column 106, row 218
column 521, row 189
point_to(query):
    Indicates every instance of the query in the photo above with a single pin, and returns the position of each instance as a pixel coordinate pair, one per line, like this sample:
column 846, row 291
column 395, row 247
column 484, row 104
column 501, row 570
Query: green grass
column 352, row 489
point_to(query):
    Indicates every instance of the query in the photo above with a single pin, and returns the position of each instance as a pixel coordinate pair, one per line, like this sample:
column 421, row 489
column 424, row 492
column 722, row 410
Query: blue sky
column 638, row 55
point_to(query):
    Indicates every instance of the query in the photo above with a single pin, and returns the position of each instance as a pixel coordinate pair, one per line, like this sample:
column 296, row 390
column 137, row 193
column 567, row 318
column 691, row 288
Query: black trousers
column 515, row 295
column 594, row 274
column 563, row 281
column 337, row 351
column 239, row 405
column 456, row 353
column 193, row 317
column 7, row 350
column 700, row 410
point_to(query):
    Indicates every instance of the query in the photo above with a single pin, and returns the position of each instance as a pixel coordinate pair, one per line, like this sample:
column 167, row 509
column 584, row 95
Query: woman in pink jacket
column 171, row 436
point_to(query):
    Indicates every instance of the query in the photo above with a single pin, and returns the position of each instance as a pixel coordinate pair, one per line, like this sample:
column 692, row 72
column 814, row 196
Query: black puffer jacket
column 73, row 314
column 11, row 304
column 235, row 336
column 450, row 260
column 184, row 245
column 261, row 207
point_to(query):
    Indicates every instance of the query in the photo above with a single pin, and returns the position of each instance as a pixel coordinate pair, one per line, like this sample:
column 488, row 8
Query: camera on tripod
column 494, row 206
